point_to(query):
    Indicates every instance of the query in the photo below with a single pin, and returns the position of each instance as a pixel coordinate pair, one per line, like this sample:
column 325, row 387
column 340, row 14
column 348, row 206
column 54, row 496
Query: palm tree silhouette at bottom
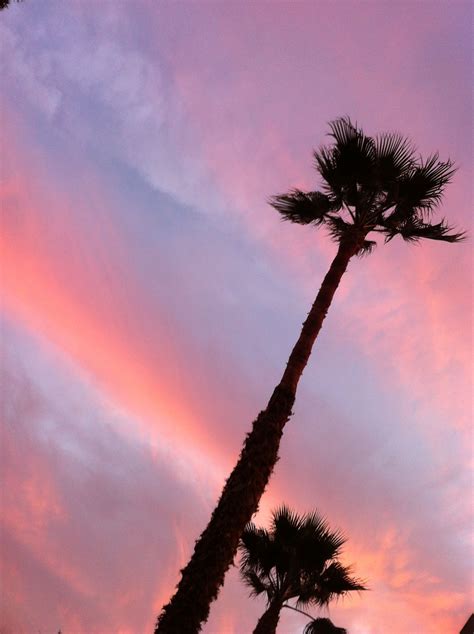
column 295, row 559
column 323, row 626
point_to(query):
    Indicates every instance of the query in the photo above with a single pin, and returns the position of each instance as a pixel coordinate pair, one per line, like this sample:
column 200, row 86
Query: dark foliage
column 295, row 559
column 323, row 626
column 372, row 185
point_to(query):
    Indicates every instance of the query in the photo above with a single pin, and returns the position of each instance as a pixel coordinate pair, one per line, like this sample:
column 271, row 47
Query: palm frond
column 395, row 157
column 366, row 249
column 323, row 625
column 303, row 207
column 339, row 229
column 348, row 163
column 317, row 544
column 319, row 528
column 285, row 522
column 422, row 189
column 286, row 527
column 255, row 583
column 325, row 164
column 336, row 581
column 344, row 131
column 257, row 550
column 414, row 229
column 354, row 152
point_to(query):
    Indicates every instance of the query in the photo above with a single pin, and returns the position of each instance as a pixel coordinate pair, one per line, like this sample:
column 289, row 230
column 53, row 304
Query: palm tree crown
column 372, row 185
column 295, row 559
column 322, row 625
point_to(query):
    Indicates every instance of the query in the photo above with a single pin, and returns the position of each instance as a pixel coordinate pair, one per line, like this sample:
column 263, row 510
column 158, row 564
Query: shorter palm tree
column 295, row 559
column 323, row 626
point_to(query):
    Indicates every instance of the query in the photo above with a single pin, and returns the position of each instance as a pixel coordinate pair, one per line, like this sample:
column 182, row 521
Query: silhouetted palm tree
column 370, row 185
column 323, row 626
column 295, row 559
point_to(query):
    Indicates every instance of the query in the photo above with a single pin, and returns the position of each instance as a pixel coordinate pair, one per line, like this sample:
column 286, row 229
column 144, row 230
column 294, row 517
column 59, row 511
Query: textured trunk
column 300, row 354
column 267, row 623
column 215, row 549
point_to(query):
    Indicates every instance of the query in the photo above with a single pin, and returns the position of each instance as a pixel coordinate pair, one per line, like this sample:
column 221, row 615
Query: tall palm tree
column 295, row 559
column 369, row 185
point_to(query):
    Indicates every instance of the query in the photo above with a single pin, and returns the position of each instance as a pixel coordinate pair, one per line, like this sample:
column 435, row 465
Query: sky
column 150, row 298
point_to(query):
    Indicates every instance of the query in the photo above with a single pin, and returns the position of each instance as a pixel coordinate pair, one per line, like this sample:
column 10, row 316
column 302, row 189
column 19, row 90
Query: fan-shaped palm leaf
column 422, row 188
column 255, row 583
column 258, row 549
column 336, row 581
column 414, row 229
column 303, row 208
column 395, row 158
column 354, row 156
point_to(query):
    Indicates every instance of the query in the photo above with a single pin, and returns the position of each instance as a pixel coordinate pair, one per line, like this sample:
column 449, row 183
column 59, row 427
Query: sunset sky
column 150, row 297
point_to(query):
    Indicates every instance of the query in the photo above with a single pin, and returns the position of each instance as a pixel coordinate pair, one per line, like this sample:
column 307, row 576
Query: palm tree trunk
column 215, row 549
column 267, row 623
